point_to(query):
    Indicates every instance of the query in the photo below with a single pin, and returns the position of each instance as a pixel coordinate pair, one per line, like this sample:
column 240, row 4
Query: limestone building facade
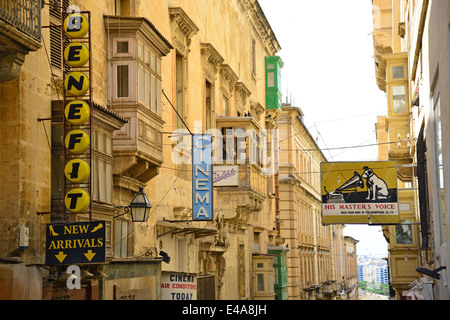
column 411, row 45
column 161, row 71
column 320, row 258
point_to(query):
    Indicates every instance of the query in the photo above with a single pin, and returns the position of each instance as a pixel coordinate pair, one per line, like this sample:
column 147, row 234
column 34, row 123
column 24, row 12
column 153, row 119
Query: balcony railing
column 25, row 15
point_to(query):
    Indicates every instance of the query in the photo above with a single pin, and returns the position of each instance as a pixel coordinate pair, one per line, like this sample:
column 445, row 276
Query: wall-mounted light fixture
column 139, row 207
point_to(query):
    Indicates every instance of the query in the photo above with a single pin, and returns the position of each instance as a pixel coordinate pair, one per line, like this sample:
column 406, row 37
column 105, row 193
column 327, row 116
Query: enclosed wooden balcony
column 398, row 121
column 404, row 242
column 401, row 147
column 238, row 172
column 135, row 52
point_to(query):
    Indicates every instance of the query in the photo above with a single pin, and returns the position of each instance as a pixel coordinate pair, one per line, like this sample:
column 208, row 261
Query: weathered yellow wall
column 25, row 155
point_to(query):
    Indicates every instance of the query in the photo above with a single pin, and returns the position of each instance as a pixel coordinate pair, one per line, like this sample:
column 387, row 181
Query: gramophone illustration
column 337, row 196
column 377, row 188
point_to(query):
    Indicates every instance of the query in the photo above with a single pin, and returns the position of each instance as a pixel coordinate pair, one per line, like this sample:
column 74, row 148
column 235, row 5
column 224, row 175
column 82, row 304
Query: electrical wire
column 326, row 148
column 152, row 211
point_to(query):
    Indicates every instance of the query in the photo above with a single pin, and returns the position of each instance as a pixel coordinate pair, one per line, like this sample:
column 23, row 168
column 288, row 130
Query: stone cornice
column 141, row 24
column 212, row 57
column 258, row 20
column 186, row 25
column 242, row 89
column 228, row 77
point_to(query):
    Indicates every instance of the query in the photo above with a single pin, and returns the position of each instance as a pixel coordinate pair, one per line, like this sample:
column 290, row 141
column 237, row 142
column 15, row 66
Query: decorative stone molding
column 256, row 109
column 290, row 181
column 256, row 17
column 183, row 28
column 10, row 63
column 211, row 60
column 212, row 56
column 272, row 116
column 228, row 77
column 242, row 90
column 242, row 95
column 182, row 212
column 245, row 203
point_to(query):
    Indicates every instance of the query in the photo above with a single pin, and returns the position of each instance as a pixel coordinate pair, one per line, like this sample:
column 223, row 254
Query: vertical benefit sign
column 79, row 242
column 202, row 177
column 78, row 112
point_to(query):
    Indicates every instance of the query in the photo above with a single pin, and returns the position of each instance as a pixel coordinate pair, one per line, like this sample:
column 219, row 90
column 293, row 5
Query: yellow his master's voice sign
column 77, row 170
column 76, row 25
column 77, row 200
column 76, row 54
column 77, row 141
column 76, row 83
column 77, row 112
column 359, row 192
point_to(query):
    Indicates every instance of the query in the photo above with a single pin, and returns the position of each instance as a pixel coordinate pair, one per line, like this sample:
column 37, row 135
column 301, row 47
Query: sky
column 329, row 72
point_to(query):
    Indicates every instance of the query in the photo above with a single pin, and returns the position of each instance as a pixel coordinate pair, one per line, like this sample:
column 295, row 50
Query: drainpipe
column 277, row 204
column 423, row 16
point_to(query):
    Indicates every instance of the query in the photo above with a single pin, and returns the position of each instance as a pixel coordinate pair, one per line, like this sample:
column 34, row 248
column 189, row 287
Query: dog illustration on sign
column 376, row 187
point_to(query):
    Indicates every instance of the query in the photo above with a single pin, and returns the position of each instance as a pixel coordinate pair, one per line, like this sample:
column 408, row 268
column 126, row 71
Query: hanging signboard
column 78, row 112
column 75, row 243
column 359, row 192
column 178, row 286
column 76, row 25
column 202, row 177
column 226, row 176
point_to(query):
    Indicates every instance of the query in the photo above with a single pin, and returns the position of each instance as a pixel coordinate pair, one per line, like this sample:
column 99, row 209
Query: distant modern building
column 360, row 272
column 381, row 272
column 372, row 270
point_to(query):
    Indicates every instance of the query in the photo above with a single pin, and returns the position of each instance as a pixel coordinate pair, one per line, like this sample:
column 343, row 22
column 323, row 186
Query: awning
column 184, row 227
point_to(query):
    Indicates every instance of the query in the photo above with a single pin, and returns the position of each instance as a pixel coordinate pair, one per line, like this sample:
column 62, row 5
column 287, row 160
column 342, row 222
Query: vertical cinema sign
column 202, row 177
column 78, row 112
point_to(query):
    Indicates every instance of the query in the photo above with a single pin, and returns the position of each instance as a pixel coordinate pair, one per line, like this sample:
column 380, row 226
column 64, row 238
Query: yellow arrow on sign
column 60, row 256
column 89, row 255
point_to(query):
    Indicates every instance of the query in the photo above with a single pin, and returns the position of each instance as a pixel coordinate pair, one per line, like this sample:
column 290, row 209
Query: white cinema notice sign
column 178, row 286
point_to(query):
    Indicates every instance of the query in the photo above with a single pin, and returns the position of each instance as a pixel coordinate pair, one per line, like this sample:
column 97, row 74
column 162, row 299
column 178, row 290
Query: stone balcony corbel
column 241, row 209
column 20, row 33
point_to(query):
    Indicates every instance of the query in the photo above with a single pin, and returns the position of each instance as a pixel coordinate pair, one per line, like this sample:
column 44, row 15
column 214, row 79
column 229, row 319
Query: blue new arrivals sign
column 202, row 177
column 75, row 243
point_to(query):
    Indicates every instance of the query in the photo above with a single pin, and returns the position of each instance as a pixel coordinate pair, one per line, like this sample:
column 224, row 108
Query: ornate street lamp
column 140, row 207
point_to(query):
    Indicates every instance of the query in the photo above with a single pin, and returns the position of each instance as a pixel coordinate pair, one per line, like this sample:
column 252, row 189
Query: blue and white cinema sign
column 202, row 177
